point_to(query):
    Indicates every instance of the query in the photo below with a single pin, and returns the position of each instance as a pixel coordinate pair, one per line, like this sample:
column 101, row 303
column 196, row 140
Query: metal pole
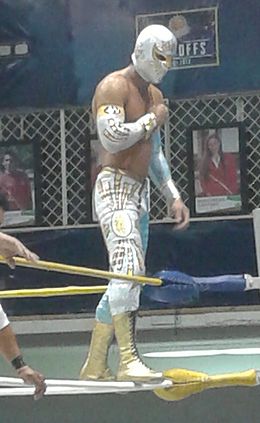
column 63, row 169
column 256, row 220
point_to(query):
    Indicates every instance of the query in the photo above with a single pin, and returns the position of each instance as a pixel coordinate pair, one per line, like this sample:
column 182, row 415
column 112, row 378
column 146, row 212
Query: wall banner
column 196, row 31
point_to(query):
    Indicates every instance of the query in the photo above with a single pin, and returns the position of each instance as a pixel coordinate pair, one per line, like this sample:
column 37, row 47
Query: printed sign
column 196, row 32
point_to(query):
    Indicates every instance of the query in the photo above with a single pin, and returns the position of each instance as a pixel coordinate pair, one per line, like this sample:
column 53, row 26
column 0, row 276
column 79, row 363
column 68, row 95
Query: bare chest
column 137, row 105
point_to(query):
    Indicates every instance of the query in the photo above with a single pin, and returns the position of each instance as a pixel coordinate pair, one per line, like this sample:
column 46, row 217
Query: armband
column 18, row 362
column 159, row 170
column 170, row 191
column 116, row 135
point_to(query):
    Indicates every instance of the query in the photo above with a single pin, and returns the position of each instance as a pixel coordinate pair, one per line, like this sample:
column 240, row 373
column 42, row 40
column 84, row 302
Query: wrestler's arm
column 160, row 174
column 11, row 352
column 159, row 170
column 11, row 246
column 114, row 133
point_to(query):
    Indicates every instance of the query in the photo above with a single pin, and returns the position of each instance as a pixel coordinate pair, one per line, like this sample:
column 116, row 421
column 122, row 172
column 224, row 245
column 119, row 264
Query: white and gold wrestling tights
column 122, row 207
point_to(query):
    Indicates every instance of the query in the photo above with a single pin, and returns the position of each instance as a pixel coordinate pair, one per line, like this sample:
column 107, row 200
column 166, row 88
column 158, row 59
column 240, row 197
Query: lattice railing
column 63, row 136
column 212, row 111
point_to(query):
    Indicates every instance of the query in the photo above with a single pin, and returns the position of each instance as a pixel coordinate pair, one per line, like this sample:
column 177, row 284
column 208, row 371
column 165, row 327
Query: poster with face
column 18, row 183
column 217, row 171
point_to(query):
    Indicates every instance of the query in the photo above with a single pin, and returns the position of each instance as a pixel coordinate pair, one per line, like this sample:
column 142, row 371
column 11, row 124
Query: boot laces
column 133, row 345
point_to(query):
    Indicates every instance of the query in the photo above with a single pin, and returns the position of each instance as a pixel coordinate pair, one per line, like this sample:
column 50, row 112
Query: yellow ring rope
column 52, row 292
column 77, row 270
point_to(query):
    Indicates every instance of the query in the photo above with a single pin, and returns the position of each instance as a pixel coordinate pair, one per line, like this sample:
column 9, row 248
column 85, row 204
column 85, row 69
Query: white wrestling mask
column 154, row 52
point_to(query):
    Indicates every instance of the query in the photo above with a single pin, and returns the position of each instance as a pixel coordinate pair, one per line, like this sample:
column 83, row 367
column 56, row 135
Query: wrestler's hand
column 161, row 112
column 180, row 213
column 32, row 377
column 10, row 247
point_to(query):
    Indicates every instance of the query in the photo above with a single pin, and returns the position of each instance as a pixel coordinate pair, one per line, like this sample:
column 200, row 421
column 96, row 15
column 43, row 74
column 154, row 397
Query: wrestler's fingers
column 40, row 387
column 183, row 220
column 10, row 261
column 26, row 253
column 177, row 212
column 181, row 225
column 29, row 255
column 37, row 379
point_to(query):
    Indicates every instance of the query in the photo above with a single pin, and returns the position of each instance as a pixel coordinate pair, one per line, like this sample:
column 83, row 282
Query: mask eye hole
column 160, row 57
column 164, row 59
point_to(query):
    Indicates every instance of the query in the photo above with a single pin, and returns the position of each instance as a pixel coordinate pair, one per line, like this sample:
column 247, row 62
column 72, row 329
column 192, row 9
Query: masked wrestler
column 129, row 111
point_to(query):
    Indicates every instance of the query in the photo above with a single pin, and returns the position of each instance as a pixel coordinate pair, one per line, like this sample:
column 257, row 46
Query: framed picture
column 19, row 182
column 217, row 170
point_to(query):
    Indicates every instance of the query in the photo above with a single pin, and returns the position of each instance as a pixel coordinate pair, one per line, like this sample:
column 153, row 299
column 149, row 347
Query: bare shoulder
column 156, row 94
column 113, row 89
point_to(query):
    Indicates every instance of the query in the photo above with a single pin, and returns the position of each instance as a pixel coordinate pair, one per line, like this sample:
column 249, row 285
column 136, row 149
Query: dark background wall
column 46, row 76
column 74, row 43
column 204, row 249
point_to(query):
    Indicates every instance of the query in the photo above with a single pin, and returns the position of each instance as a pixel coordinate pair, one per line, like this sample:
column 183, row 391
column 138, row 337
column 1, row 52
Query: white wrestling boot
column 131, row 367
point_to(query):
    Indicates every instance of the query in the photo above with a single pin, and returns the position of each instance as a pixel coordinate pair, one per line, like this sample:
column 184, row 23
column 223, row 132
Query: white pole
column 63, row 169
column 256, row 220
column 167, row 143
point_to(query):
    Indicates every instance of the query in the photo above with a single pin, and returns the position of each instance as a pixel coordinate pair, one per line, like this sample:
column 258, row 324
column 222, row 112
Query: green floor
column 59, row 359
column 64, row 361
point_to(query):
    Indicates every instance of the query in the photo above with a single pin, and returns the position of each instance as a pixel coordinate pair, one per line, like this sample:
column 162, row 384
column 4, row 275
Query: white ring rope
column 15, row 386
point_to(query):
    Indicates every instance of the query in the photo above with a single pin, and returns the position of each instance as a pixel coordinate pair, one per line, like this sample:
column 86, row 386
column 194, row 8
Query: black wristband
column 18, row 362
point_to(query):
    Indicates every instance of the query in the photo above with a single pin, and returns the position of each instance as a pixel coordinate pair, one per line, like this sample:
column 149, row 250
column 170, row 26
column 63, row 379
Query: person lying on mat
column 9, row 349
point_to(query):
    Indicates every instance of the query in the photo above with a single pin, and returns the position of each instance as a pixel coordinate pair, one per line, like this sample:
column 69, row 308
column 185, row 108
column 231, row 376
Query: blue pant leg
column 144, row 229
column 103, row 313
